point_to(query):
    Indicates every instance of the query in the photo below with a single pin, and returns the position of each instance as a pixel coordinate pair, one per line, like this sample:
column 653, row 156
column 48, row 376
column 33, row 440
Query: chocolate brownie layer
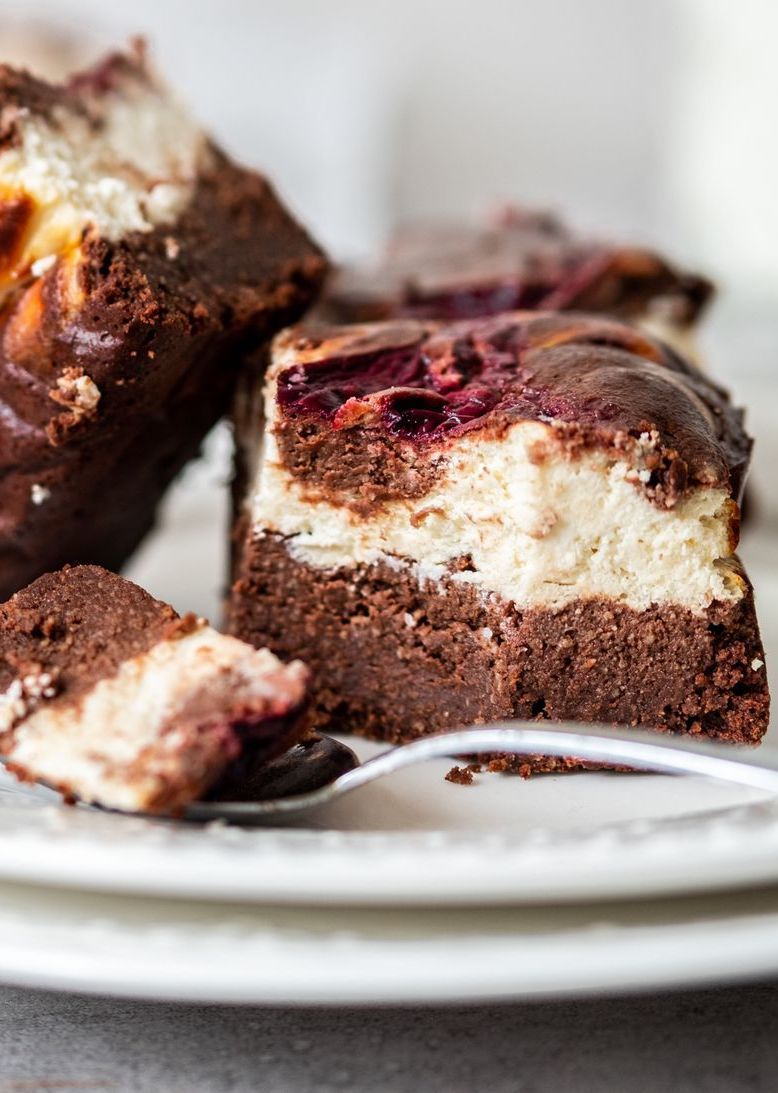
column 128, row 305
column 525, row 260
column 108, row 695
column 394, row 657
column 81, row 624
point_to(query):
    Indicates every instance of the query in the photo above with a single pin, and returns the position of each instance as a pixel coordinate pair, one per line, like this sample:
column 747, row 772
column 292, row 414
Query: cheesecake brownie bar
column 524, row 259
column 139, row 269
column 109, row 696
column 531, row 515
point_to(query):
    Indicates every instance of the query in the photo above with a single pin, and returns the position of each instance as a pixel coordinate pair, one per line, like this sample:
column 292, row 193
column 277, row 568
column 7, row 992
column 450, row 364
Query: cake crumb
column 460, row 776
column 463, row 776
column 181, row 627
column 43, row 265
column 78, row 393
column 23, row 695
column 12, row 705
column 172, row 248
column 78, row 390
column 39, row 684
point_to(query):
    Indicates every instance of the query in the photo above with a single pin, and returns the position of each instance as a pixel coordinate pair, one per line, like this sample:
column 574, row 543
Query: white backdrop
column 649, row 119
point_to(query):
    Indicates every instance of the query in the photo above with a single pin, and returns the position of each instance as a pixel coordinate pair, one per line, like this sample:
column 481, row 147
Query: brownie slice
column 109, row 696
column 140, row 271
column 524, row 259
column 531, row 515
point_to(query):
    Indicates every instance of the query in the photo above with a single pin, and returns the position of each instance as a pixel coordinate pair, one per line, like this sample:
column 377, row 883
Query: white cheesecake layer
column 541, row 528
column 119, row 745
column 132, row 171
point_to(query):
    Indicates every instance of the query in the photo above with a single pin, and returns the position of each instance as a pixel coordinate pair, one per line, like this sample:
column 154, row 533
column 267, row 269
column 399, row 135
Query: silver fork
column 643, row 751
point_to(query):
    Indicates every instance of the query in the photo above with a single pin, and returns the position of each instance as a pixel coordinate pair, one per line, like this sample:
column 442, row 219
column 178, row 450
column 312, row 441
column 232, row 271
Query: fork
column 644, row 751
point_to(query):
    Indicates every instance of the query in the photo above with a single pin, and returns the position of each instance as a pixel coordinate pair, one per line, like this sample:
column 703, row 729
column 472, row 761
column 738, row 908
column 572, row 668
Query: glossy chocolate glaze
column 598, row 383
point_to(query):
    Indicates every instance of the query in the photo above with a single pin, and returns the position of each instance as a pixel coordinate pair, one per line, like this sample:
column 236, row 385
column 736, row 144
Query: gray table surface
column 712, row 1041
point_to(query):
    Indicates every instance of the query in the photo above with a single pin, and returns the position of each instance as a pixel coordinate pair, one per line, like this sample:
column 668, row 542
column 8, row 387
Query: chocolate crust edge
column 395, row 660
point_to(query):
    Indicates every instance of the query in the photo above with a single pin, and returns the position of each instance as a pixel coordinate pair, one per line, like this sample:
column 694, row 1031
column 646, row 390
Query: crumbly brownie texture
column 111, row 697
column 530, row 515
column 139, row 270
column 394, row 658
column 527, row 260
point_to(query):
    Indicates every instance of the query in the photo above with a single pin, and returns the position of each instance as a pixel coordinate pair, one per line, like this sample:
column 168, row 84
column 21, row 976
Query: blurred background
column 648, row 122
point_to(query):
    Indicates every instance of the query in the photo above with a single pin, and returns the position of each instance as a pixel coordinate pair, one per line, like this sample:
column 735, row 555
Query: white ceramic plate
column 228, row 953
column 415, row 840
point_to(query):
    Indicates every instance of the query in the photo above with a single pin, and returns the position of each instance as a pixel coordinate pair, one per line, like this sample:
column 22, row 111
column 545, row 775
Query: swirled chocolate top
column 526, row 260
column 343, row 393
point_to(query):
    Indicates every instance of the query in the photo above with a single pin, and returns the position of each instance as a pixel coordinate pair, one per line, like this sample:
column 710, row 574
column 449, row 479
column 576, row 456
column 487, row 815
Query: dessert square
column 140, row 270
column 524, row 259
column 532, row 515
column 109, row 696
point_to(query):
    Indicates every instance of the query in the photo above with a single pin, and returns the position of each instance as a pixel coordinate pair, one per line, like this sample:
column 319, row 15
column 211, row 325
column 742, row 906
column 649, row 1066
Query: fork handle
column 628, row 747
column 635, row 748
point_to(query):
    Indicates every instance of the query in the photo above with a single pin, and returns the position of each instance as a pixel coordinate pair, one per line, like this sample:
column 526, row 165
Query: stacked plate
column 413, row 889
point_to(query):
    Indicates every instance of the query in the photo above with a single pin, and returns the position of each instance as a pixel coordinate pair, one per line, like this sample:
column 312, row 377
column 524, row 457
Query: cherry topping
column 453, row 377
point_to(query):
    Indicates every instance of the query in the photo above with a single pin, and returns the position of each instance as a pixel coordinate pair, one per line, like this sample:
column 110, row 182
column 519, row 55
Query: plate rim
column 712, row 851
column 363, row 960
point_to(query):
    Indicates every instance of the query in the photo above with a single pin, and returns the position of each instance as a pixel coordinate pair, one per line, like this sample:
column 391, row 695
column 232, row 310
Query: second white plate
column 220, row 952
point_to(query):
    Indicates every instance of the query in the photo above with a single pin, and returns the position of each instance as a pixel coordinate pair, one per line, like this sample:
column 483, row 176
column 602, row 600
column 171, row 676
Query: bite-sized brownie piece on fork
column 532, row 515
column 109, row 696
column 139, row 269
